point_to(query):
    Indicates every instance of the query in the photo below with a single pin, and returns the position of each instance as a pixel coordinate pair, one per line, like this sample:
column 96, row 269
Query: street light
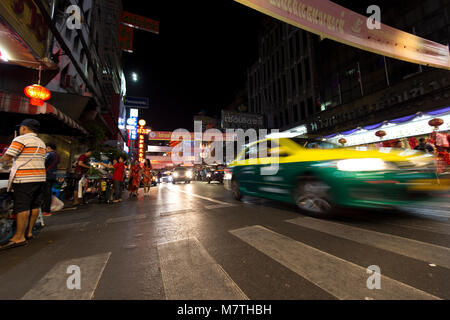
column 134, row 77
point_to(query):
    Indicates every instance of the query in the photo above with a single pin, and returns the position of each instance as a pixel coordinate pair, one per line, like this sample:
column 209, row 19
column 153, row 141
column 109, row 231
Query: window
column 307, row 70
column 76, row 43
column 302, row 111
column 296, row 113
column 300, row 75
column 310, row 107
column 293, row 84
column 305, row 41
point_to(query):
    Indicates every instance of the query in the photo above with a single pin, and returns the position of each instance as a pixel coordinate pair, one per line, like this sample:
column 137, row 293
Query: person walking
column 27, row 180
column 118, row 177
column 424, row 146
column 135, row 179
column 147, row 177
column 80, row 170
column 52, row 160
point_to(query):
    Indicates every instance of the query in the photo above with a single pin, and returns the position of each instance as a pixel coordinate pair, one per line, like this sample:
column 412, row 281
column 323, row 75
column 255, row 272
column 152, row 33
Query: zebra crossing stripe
column 190, row 273
column 428, row 253
column 340, row 278
column 219, row 206
column 65, row 227
column 198, row 196
column 127, row 218
column 53, row 286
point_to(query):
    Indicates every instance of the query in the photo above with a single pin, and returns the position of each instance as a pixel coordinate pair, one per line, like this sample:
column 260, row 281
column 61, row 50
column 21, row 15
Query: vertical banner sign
column 138, row 22
column 126, row 38
column 329, row 20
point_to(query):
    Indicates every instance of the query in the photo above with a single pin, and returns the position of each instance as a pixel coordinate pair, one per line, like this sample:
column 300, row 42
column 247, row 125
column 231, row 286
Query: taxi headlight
column 367, row 164
column 189, row 174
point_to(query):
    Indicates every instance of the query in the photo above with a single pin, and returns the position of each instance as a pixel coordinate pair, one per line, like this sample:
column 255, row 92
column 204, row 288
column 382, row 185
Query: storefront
column 25, row 60
column 412, row 126
column 56, row 127
column 404, row 133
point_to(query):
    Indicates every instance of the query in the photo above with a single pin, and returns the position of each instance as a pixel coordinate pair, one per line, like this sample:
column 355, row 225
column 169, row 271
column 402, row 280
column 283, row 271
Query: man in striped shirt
column 28, row 178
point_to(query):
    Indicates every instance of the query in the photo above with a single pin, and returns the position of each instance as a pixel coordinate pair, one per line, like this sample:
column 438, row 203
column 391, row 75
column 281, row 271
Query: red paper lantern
column 342, row 141
column 436, row 122
column 38, row 94
column 380, row 134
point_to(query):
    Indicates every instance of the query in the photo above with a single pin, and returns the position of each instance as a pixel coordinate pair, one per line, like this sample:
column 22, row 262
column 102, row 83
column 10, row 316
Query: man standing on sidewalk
column 80, row 170
column 51, row 166
column 27, row 179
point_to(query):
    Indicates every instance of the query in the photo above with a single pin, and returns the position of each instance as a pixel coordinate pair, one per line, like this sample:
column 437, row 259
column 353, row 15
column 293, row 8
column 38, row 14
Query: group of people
column 34, row 172
column 137, row 173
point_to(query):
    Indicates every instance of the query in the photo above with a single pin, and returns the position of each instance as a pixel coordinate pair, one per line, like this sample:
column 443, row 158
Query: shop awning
column 408, row 126
column 13, row 103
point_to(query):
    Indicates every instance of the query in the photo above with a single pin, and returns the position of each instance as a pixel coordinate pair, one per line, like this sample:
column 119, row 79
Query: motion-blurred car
column 166, row 177
column 215, row 173
column 182, row 174
column 318, row 176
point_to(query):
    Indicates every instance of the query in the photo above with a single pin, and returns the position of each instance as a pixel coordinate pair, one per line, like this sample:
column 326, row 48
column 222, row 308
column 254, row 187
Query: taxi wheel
column 311, row 196
column 236, row 190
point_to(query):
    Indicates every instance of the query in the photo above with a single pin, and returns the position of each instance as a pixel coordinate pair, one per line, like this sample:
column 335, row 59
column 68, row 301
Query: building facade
column 81, row 67
column 301, row 79
column 281, row 85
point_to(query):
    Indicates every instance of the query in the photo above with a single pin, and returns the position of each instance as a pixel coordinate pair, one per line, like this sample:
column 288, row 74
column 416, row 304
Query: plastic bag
column 56, row 204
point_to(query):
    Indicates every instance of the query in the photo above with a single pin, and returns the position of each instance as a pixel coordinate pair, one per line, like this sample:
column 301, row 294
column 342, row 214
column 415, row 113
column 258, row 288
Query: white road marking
column 169, row 213
column 66, row 226
column 198, row 196
column 441, row 210
column 342, row 279
column 406, row 247
column 435, row 228
column 127, row 218
column 219, row 206
column 190, row 273
column 53, row 286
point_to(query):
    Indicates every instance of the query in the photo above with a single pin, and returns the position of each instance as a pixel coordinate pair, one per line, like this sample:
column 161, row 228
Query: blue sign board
column 136, row 102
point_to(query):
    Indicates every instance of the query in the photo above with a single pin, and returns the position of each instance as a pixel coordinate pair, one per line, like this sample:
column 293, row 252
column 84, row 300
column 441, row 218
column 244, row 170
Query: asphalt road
column 195, row 242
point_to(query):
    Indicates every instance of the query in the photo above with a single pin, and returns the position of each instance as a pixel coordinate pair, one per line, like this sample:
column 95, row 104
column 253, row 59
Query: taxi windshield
column 314, row 144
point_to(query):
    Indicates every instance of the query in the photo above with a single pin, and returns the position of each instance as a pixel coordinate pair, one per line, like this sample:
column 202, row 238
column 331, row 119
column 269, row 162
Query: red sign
column 126, row 38
column 330, row 20
column 138, row 22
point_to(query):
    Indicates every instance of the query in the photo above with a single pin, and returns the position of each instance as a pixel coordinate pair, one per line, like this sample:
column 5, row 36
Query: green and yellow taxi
column 318, row 176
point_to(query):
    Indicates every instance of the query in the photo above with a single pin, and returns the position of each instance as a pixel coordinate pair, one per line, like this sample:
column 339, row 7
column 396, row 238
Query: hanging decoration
column 380, row 134
column 37, row 93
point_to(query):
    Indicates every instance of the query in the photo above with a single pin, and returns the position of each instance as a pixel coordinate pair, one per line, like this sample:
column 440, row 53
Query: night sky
column 199, row 61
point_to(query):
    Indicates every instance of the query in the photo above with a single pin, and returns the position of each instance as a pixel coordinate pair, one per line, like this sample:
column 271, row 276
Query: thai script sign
column 329, row 20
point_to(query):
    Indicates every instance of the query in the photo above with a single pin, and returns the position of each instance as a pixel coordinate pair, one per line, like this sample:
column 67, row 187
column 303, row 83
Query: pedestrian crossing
column 428, row 253
column 190, row 271
column 74, row 279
